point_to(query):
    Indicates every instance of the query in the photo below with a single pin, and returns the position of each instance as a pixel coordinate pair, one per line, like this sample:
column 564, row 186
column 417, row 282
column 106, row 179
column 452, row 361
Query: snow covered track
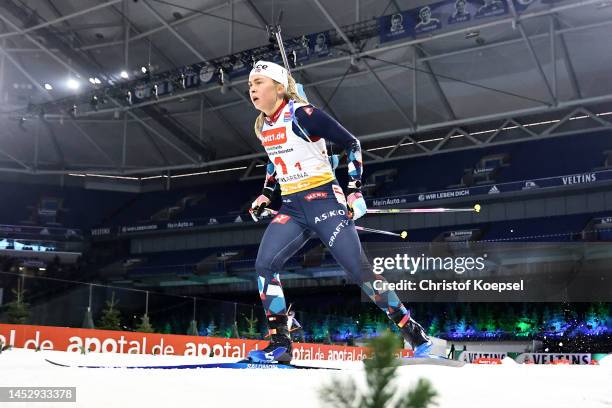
column 506, row 385
column 241, row 364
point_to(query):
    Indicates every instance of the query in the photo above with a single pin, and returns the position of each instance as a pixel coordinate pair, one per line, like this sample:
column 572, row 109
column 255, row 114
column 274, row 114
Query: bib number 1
column 278, row 162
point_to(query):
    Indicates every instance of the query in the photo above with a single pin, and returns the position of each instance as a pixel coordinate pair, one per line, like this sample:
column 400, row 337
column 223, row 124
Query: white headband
column 271, row 70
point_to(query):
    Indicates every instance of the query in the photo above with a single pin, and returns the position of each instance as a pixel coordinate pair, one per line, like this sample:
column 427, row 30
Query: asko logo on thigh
column 328, row 215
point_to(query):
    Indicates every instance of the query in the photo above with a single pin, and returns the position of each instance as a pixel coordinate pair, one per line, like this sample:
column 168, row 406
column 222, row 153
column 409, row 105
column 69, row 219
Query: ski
column 249, row 365
column 242, row 364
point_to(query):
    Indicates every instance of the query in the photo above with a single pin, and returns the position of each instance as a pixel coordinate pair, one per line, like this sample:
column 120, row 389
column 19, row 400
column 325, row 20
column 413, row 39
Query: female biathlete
column 293, row 133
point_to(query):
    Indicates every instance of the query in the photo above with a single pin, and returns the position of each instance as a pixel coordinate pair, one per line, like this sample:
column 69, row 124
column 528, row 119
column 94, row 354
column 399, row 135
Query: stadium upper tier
column 86, row 209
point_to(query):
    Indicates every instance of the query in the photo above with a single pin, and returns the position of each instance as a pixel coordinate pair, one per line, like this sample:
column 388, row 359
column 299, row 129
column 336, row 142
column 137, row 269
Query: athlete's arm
column 319, row 124
column 265, row 198
column 270, row 181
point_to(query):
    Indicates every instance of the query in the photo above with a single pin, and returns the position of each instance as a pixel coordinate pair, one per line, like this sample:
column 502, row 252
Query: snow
column 506, row 385
column 606, row 361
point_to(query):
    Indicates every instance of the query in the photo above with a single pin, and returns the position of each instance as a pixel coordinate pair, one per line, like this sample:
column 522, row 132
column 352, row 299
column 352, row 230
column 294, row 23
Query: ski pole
column 476, row 209
column 403, row 234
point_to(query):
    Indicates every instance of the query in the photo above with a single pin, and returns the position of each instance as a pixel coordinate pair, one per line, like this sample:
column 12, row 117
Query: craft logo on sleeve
column 273, row 137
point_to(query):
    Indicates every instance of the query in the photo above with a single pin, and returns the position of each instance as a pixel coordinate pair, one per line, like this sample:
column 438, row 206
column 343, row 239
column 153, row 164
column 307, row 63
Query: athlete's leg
column 342, row 240
column 283, row 238
column 328, row 218
column 346, row 249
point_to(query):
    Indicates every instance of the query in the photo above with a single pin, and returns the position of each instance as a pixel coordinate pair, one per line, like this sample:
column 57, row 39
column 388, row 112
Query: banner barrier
column 109, row 341
column 480, row 357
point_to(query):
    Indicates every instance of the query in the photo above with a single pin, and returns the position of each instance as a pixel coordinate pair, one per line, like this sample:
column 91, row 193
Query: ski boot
column 413, row 333
column 279, row 348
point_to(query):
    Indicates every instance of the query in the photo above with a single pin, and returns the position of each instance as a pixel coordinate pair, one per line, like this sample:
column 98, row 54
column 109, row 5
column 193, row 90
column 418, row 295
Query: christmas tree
column 18, row 311
column 111, row 316
column 595, row 319
column 145, row 325
column 557, row 324
column 211, row 329
column 434, row 327
column 251, row 332
column 193, row 328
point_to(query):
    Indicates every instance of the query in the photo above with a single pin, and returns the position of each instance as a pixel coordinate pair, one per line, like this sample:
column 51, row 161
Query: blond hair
column 291, row 93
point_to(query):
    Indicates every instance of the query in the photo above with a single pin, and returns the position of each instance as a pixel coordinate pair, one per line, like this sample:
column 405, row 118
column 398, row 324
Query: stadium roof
column 474, row 84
